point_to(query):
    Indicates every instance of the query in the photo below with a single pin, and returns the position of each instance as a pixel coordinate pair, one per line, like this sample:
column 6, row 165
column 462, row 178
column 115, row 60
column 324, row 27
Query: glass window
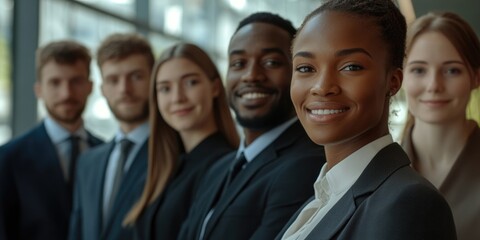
column 125, row 8
column 6, row 13
column 209, row 24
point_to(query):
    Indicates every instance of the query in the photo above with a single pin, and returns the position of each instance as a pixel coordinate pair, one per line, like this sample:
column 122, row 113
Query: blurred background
column 26, row 24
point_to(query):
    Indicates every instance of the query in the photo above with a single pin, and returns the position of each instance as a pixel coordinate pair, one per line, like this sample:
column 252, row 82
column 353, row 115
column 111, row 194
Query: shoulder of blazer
column 96, row 156
column 294, row 140
column 93, row 140
column 219, row 167
column 383, row 165
column 30, row 145
column 290, row 135
column 33, row 137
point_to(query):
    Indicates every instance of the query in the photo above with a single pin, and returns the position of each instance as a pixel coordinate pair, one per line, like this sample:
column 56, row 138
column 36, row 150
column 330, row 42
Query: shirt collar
column 59, row 134
column 263, row 141
column 345, row 173
column 137, row 135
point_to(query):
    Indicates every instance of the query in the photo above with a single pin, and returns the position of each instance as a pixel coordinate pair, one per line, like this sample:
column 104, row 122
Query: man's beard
column 131, row 118
column 69, row 119
column 280, row 113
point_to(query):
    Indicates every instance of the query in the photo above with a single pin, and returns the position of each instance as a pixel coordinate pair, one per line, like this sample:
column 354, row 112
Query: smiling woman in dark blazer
column 191, row 127
column 347, row 63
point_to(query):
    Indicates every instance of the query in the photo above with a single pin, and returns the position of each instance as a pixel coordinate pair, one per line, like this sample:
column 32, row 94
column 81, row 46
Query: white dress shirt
column 61, row 139
column 331, row 185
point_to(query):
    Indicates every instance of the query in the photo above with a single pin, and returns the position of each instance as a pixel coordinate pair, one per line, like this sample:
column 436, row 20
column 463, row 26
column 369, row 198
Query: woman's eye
column 191, row 82
column 352, row 67
column 304, row 69
column 453, row 71
column 163, row 89
column 417, row 70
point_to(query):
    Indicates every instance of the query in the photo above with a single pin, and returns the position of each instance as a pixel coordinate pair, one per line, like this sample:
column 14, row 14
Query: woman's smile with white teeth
column 327, row 111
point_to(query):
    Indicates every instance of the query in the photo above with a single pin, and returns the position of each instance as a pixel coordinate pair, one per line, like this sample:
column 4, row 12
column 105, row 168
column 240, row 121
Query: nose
column 67, row 89
column 125, row 85
column 325, row 85
column 178, row 93
column 253, row 72
column 435, row 83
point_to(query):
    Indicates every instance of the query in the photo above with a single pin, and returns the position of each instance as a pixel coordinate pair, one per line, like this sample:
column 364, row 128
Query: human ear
column 89, row 86
column 37, row 89
column 476, row 79
column 216, row 85
column 395, row 82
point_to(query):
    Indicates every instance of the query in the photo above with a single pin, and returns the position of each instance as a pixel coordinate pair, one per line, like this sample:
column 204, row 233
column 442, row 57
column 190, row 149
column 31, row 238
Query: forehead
column 433, row 46
column 176, row 68
column 125, row 65
column 331, row 30
column 256, row 36
column 53, row 69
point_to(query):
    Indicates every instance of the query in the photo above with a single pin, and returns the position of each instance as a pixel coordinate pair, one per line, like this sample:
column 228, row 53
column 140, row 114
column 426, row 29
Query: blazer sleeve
column 286, row 195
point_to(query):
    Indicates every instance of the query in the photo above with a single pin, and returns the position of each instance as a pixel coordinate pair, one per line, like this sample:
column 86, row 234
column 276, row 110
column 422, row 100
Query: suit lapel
column 267, row 156
column 384, row 164
column 218, row 186
column 335, row 219
column 49, row 163
column 98, row 180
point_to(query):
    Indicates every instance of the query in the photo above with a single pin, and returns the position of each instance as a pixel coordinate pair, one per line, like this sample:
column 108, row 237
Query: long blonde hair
column 458, row 32
column 164, row 143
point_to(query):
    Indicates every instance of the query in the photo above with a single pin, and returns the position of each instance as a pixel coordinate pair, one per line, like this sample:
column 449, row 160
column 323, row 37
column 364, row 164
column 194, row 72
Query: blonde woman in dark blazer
column 191, row 127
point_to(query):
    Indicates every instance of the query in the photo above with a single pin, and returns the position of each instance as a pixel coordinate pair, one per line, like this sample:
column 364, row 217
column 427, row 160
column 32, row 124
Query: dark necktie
column 235, row 168
column 125, row 146
column 72, row 164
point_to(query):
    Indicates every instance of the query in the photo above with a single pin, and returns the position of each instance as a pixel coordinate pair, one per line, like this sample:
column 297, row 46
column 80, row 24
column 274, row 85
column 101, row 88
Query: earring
column 389, row 94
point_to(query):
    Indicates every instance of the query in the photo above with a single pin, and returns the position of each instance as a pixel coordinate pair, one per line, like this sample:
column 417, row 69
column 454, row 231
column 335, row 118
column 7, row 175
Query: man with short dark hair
column 37, row 169
column 251, row 193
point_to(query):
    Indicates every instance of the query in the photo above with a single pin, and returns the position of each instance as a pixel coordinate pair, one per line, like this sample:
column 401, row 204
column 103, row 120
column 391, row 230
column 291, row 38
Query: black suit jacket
column 388, row 201
column 163, row 219
column 86, row 220
column 263, row 196
column 34, row 199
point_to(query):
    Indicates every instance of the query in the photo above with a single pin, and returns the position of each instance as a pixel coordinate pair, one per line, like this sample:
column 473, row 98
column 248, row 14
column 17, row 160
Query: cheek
column 298, row 91
column 459, row 87
column 162, row 104
column 228, row 87
column 283, row 82
column 205, row 99
column 413, row 88
column 84, row 94
column 143, row 88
